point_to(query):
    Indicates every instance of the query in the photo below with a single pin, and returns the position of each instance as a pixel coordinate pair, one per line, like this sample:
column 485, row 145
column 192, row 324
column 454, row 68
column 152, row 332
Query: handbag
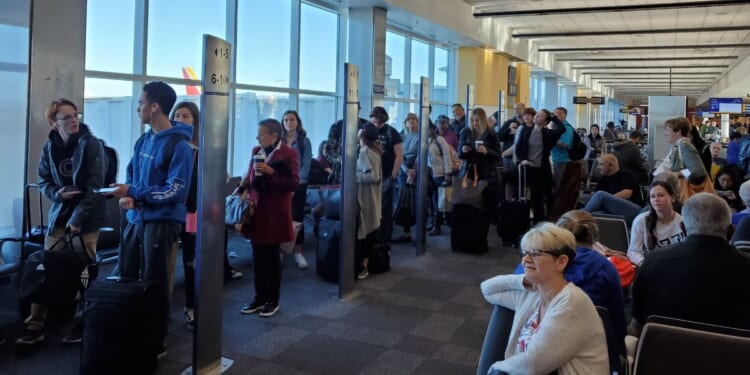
column 234, row 206
column 625, row 269
column 406, row 213
column 469, row 192
column 445, row 198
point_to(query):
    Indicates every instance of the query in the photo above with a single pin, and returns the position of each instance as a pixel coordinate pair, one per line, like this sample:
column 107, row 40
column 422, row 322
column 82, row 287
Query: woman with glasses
column 70, row 170
column 556, row 326
column 657, row 227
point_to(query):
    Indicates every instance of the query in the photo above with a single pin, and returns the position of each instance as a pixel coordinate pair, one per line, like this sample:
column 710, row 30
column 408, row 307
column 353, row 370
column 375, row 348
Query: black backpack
column 577, row 150
column 110, row 173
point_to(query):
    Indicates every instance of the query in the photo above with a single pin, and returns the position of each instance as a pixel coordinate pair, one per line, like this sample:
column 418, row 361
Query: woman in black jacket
column 532, row 152
column 478, row 145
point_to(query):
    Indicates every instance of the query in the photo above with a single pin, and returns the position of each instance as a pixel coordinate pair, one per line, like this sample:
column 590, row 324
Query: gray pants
column 148, row 253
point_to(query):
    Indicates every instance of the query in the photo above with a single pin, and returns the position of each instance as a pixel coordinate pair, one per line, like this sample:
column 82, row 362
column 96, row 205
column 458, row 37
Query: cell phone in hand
column 106, row 190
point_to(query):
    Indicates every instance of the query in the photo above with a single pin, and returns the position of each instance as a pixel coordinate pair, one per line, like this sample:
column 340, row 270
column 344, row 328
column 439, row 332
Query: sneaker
column 162, row 352
column 235, row 274
column 189, row 318
column 269, row 309
column 74, row 336
column 250, row 308
column 31, row 337
column 363, row 274
column 300, row 260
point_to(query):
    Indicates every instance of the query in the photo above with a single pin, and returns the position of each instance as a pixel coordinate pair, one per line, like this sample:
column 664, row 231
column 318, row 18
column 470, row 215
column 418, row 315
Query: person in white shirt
column 556, row 326
column 657, row 227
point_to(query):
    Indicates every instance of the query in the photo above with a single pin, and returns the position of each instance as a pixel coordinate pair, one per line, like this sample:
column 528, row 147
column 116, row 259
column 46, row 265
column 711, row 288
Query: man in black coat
column 703, row 279
column 629, row 157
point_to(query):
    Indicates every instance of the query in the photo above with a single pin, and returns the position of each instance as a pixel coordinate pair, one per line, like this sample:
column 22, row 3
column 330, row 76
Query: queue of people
column 563, row 274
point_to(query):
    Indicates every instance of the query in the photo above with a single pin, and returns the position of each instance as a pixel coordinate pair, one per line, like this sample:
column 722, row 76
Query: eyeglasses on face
column 69, row 117
column 535, row 253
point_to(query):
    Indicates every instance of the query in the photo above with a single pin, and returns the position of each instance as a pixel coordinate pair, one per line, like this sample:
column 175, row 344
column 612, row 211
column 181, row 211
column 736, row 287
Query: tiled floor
column 426, row 316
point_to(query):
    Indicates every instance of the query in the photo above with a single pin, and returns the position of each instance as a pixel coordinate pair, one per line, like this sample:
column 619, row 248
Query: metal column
column 212, row 166
column 349, row 181
column 423, row 176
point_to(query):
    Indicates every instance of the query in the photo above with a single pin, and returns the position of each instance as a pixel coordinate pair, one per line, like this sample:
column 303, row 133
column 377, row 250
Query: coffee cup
column 258, row 159
column 478, row 143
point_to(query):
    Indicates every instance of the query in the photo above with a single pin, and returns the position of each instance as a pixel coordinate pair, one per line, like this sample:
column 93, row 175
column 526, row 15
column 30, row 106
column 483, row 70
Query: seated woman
column 659, row 226
column 590, row 270
column 556, row 327
column 727, row 186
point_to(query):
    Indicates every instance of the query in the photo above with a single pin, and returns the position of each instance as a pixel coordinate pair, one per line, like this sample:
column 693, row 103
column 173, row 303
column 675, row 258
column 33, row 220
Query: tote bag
column 469, row 192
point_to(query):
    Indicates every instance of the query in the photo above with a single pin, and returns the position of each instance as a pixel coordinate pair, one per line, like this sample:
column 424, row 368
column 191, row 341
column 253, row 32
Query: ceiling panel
column 639, row 24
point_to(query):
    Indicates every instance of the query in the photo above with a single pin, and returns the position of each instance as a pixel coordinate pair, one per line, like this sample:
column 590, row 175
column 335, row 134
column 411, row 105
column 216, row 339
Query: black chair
column 613, row 232
column 698, row 326
column 667, row 349
column 616, row 350
column 496, row 338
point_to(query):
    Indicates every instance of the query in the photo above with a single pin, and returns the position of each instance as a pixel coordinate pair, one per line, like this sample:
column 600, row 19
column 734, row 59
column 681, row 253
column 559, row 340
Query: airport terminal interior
column 624, row 68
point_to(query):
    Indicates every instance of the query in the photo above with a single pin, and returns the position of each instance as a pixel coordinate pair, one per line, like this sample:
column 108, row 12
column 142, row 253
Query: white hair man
column 693, row 280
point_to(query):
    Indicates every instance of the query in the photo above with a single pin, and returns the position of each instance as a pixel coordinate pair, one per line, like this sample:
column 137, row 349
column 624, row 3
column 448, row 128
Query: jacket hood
column 585, row 265
column 620, row 145
column 83, row 130
column 178, row 129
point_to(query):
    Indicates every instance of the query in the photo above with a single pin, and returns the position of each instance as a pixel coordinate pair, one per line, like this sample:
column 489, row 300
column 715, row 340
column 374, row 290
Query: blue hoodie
column 160, row 189
column 598, row 277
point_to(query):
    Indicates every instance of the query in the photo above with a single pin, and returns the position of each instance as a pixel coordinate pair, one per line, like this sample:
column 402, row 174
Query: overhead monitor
column 580, row 100
column 725, row 105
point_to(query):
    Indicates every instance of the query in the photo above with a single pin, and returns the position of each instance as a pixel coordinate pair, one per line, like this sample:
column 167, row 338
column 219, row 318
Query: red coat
column 272, row 194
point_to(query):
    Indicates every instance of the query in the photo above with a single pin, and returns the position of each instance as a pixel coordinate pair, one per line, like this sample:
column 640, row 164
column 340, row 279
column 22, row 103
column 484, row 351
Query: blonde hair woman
column 556, row 326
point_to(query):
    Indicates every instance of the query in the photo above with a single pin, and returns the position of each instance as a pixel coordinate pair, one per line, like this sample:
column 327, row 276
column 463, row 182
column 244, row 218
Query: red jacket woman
column 272, row 178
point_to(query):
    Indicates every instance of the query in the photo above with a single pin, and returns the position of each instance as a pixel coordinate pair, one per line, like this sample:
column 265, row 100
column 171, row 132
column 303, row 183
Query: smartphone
column 106, row 190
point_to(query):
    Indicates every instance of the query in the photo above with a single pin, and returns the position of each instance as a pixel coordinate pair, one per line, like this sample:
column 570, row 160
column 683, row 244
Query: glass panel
column 175, row 34
column 317, row 114
column 420, row 66
column 394, row 65
column 14, row 57
column 110, row 35
column 109, row 111
column 250, row 108
column 440, row 109
column 318, row 49
column 264, row 42
column 397, row 113
column 440, row 77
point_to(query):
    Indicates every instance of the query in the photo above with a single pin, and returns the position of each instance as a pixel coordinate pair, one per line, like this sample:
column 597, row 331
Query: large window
column 407, row 60
column 318, row 49
column 13, row 79
column 286, row 58
column 264, row 48
column 175, row 34
column 109, row 40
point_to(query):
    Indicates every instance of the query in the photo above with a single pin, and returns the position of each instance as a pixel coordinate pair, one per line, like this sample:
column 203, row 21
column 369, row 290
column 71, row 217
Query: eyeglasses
column 535, row 253
column 66, row 118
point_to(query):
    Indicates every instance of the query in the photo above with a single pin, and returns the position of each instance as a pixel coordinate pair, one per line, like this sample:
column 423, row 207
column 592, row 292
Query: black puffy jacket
column 85, row 210
column 486, row 163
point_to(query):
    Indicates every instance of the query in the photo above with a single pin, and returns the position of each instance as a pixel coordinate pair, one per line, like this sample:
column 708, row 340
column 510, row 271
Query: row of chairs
column 666, row 346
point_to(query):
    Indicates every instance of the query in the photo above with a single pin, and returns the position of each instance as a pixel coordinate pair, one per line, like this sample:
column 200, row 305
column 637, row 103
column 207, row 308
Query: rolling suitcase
column 514, row 214
column 119, row 325
column 469, row 230
column 327, row 252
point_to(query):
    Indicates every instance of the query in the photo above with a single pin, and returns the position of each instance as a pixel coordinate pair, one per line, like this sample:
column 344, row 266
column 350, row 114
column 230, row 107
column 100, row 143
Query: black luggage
column 469, row 229
column 327, row 253
column 380, row 259
column 514, row 215
column 119, row 325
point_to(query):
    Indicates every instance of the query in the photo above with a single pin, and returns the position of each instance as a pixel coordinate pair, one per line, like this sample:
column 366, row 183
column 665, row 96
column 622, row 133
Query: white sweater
column 666, row 235
column 570, row 338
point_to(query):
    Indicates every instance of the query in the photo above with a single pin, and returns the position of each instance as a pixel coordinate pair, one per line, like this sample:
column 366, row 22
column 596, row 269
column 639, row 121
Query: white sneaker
column 300, row 260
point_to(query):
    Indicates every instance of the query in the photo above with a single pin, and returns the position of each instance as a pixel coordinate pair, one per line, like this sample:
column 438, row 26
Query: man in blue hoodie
column 154, row 194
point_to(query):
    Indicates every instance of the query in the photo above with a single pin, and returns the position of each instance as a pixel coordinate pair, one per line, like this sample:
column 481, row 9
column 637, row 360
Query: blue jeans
column 607, row 203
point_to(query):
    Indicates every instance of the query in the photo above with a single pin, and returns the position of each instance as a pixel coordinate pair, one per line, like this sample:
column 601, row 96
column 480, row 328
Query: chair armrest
column 496, row 338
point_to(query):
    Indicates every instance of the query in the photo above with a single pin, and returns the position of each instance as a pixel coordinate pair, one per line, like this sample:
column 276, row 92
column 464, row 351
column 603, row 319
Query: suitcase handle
column 522, row 182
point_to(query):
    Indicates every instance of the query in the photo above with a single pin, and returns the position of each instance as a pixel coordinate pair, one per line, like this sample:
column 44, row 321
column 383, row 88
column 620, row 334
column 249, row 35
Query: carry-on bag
column 119, row 328
column 469, row 230
column 327, row 252
column 514, row 214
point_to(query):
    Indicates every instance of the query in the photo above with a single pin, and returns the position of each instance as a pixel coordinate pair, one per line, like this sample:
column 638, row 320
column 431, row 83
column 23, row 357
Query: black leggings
column 267, row 268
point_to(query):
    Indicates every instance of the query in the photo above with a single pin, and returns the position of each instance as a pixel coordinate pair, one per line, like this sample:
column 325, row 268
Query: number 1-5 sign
column 222, row 53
